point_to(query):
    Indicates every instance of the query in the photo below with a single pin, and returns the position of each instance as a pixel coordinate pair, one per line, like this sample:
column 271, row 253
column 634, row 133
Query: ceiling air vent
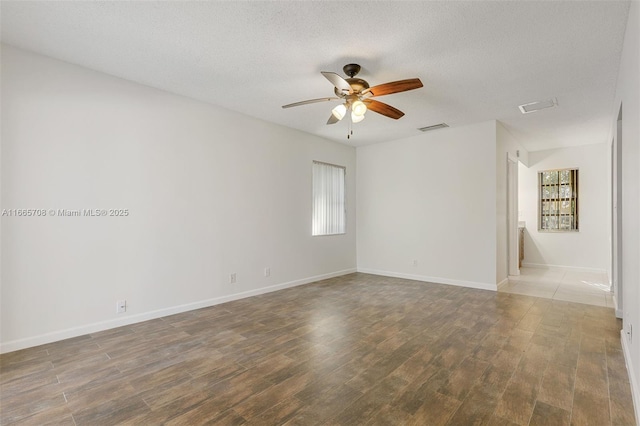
column 537, row 106
column 434, row 127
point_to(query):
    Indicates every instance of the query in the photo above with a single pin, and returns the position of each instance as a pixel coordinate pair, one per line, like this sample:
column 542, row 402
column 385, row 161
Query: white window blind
column 329, row 213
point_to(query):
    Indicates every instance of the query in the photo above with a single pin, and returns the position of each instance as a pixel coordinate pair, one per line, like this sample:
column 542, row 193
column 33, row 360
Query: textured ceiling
column 477, row 60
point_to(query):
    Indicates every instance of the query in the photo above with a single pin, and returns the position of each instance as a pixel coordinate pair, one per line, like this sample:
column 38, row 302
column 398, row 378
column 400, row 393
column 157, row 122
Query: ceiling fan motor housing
column 357, row 84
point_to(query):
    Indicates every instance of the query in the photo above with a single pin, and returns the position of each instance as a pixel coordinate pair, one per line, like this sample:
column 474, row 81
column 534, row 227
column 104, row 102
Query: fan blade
column 394, row 87
column 384, row 109
column 332, row 119
column 339, row 82
column 310, row 101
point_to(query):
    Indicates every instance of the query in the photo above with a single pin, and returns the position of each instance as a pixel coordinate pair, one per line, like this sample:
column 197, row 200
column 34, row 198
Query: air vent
column 434, row 127
column 537, row 106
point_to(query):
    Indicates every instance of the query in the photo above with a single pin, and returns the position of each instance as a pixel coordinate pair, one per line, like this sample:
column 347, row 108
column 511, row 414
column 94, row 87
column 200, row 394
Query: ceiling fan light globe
column 359, row 108
column 356, row 118
column 339, row 111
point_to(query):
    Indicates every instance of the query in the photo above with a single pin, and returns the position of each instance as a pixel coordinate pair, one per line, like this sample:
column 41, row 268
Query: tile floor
column 591, row 288
column 357, row 349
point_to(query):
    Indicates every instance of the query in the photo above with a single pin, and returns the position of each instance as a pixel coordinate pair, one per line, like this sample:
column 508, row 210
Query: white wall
column 430, row 198
column 209, row 192
column 587, row 249
column 628, row 95
column 506, row 144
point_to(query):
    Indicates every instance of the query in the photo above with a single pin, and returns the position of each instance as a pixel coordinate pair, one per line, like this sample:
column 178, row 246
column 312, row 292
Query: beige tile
column 579, row 297
column 536, row 289
column 507, row 286
column 542, row 274
column 609, row 301
column 582, row 289
column 589, row 278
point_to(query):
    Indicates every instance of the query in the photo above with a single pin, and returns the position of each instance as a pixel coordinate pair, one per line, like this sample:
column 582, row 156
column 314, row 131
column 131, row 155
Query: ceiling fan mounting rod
column 351, row 69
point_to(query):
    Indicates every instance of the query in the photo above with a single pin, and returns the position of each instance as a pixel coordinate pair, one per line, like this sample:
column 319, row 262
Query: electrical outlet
column 232, row 278
column 121, row 306
column 415, row 262
column 267, row 272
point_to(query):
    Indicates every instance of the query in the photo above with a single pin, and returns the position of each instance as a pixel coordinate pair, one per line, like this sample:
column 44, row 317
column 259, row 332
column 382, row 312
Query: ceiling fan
column 356, row 95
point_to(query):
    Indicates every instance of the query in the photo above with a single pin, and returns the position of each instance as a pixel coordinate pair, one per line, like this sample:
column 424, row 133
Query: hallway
column 591, row 288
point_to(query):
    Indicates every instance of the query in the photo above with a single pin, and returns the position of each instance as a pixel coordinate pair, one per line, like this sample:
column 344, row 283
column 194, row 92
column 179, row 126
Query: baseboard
column 503, row 282
column 563, row 267
column 615, row 307
column 437, row 280
column 635, row 390
column 68, row 333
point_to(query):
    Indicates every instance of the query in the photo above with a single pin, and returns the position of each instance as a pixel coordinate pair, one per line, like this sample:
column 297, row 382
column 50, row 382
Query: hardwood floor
column 358, row 349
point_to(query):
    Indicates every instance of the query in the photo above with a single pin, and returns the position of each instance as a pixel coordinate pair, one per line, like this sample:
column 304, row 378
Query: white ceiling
column 477, row 60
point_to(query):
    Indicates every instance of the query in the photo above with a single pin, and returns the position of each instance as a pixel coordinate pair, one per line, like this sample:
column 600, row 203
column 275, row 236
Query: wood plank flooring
column 358, row 349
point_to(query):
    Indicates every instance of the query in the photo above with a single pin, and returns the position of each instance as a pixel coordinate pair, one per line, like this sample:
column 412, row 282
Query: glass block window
column 558, row 200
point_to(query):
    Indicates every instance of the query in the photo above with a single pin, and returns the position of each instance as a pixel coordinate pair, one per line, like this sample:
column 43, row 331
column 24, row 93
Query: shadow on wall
column 540, row 156
column 531, row 252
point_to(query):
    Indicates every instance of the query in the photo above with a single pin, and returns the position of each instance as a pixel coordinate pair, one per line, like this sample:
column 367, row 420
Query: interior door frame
column 616, row 218
column 513, row 247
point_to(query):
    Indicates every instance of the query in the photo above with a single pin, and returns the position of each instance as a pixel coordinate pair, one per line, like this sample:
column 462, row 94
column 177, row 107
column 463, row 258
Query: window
column 329, row 213
column 558, row 200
